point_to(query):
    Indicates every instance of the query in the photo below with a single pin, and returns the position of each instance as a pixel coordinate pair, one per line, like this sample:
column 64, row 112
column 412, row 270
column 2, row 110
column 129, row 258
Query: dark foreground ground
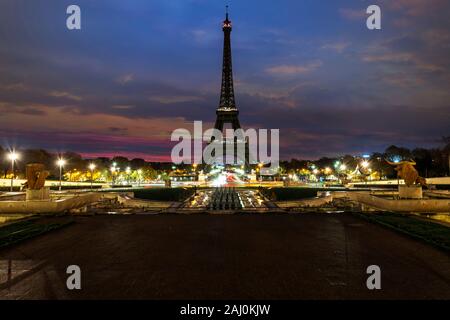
column 307, row 256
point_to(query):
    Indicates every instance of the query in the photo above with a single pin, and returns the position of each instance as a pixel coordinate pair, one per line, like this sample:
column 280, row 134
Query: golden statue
column 407, row 172
column 36, row 176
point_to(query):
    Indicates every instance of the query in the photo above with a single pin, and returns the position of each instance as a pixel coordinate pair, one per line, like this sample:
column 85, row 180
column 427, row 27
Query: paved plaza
column 263, row 256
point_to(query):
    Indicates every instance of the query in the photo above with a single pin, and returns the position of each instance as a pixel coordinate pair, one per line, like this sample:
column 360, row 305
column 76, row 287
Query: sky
column 139, row 69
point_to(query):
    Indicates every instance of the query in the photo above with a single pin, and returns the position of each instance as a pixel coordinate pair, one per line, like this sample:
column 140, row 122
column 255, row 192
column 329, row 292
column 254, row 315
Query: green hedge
column 161, row 194
column 22, row 230
column 429, row 231
column 293, row 193
column 290, row 193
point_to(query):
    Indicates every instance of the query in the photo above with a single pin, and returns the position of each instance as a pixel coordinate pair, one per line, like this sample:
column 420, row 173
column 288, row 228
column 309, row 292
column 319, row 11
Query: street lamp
column 13, row 156
column 61, row 162
column 91, row 168
column 128, row 171
column 365, row 164
column 113, row 170
column 342, row 167
column 139, row 172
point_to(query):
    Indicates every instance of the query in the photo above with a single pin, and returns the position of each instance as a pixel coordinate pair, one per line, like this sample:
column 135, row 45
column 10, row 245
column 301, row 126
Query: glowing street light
column 139, row 172
column 342, row 167
column 91, row 168
column 13, row 156
column 128, row 172
column 113, row 171
column 61, row 162
column 365, row 164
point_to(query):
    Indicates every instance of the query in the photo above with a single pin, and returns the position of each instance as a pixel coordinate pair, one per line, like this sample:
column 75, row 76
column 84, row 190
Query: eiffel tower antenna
column 227, row 111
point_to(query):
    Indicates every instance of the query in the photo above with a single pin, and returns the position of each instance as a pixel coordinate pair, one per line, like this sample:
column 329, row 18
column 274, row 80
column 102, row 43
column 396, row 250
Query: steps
column 224, row 198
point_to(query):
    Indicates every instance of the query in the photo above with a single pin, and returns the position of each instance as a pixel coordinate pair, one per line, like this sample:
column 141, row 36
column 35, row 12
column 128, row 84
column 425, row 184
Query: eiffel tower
column 227, row 112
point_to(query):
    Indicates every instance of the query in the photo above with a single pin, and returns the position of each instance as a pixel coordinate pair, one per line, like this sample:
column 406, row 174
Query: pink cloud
column 353, row 14
column 130, row 155
column 294, row 69
column 416, row 8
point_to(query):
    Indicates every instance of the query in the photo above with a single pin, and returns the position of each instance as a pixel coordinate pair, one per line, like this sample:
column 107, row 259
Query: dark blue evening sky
column 139, row 69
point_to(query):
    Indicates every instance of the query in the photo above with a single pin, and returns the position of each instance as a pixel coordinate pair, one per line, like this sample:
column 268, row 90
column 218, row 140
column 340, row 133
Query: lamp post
column 13, row 156
column 128, row 172
column 365, row 164
column 327, row 172
column 113, row 170
column 260, row 165
column 139, row 172
column 91, row 168
column 342, row 168
column 61, row 162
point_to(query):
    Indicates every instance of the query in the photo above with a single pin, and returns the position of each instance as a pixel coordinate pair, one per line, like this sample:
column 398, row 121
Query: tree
column 74, row 161
column 424, row 161
column 121, row 162
column 138, row 163
column 37, row 156
column 394, row 153
column 379, row 164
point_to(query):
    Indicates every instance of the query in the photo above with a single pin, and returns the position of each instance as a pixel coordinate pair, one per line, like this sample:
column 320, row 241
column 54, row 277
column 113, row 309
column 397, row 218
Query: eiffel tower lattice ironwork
column 227, row 111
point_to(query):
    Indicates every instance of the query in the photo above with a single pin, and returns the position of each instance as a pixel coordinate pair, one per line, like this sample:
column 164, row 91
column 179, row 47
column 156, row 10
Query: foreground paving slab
column 255, row 256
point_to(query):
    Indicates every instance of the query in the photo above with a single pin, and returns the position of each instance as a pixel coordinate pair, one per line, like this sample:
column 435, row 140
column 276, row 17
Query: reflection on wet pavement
column 24, row 279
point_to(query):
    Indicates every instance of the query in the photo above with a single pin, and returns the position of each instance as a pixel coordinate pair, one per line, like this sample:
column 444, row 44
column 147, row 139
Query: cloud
column 174, row 99
column 338, row 47
column 59, row 90
column 59, row 94
column 353, row 14
column 416, row 8
column 126, row 78
column 122, row 106
column 294, row 69
column 423, row 54
column 116, row 129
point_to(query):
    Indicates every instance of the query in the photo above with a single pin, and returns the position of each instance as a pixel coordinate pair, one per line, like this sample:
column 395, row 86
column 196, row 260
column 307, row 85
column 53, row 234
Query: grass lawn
column 160, row 194
column 19, row 231
column 431, row 232
column 294, row 193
